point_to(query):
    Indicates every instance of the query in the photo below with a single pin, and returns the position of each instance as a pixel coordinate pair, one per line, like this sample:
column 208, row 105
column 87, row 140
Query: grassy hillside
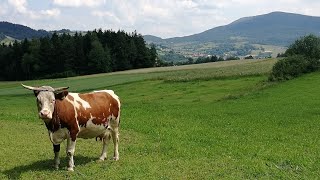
column 7, row 40
column 20, row 32
column 222, row 121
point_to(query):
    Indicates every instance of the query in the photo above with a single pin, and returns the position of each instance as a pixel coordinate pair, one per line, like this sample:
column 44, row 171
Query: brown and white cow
column 73, row 115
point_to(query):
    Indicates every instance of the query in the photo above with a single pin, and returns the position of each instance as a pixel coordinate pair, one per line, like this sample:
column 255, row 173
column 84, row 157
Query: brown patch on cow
column 66, row 115
column 100, row 105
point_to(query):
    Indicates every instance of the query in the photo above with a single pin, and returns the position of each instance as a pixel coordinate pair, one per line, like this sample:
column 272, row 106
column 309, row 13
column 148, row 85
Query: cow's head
column 46, row 97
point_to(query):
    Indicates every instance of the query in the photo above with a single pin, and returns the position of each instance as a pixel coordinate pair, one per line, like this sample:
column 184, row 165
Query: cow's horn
column 33, row 88
column 60, row 89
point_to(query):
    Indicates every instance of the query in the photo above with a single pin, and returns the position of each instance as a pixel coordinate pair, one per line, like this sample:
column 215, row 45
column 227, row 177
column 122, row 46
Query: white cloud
column 165, row 18
column 4, row 9
column 105, row 14
column 19, row 5
column 78, row 3
column 50, row 12
column 20, row 8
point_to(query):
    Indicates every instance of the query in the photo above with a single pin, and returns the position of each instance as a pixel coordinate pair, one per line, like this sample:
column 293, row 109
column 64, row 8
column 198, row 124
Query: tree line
column 64, row 55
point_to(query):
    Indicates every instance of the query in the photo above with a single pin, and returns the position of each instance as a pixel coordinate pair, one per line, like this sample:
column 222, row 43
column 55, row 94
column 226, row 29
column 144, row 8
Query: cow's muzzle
column 45, row 114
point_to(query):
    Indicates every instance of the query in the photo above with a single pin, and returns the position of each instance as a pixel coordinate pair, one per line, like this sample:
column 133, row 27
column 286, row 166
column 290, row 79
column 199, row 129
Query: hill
column 276, row 28
column 19, row 32
column 151, row 39
column 259, row 36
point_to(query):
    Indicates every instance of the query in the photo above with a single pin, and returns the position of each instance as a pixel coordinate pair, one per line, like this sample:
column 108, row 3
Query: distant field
column 7, row 40
column 189, row 49
column 98, row 81
column 275, row 49
column 211, row 121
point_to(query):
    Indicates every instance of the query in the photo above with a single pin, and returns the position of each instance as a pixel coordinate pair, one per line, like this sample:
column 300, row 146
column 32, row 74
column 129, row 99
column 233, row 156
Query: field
column 212, row 121
column 239, row 47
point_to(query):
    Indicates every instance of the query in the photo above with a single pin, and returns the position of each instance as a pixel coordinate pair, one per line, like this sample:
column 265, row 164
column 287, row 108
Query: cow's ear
column 36, row 92
column 61, row 95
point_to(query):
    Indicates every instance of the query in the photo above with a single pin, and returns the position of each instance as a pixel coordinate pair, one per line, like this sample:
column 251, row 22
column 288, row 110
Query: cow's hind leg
column 106, row 140
column 56, row 150
column 115, row 139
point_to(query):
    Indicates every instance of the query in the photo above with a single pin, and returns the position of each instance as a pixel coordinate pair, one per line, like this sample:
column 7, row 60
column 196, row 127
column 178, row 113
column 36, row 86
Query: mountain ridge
column 276, row 28
column 19, row 32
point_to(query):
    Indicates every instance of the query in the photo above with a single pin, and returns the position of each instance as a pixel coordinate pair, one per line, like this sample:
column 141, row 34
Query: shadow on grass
column 45, row 165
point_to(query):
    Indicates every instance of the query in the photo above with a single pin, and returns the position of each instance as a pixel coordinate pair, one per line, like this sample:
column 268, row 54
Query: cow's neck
column 54, row 124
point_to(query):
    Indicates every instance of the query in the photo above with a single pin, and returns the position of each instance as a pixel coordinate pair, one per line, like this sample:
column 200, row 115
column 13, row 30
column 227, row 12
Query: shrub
column 302, row 57
column 308, row 46
column 291, row 67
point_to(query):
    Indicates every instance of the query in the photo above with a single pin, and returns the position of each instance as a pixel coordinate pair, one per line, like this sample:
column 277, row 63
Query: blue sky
column 163, row 18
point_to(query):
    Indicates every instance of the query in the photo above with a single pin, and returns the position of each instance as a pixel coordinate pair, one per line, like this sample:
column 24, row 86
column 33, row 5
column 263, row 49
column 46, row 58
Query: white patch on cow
column 111, row 117
column 58, row 136
column 78, row 102
column 74, row 107
column 112, row 123
column 91, row 130
column 71, row 146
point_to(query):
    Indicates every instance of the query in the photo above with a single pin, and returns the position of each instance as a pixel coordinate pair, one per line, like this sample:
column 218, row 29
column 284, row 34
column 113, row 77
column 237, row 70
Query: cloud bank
column 164, row 18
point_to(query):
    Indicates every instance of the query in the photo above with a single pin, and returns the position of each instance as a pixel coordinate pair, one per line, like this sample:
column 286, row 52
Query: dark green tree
column 99, row 61
column 308, row 46
column 63, row 55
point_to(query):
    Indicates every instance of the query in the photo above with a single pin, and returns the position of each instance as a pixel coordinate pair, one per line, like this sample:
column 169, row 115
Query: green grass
column 222, row 122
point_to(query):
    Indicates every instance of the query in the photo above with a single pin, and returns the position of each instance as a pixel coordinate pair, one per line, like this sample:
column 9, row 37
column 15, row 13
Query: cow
column 73, row 115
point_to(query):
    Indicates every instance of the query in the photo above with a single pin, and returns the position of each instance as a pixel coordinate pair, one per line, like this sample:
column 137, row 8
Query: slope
column 276, row 28
column 20, row 32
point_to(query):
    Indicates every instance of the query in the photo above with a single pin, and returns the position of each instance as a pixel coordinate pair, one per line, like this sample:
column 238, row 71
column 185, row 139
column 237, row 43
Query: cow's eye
column 53, row 101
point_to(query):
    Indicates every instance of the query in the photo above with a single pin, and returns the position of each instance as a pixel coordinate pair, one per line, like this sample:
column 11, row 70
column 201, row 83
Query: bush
column 249, row 57
column 302, row 57
column 232, row 58
column 308, row 46
column 291, row 67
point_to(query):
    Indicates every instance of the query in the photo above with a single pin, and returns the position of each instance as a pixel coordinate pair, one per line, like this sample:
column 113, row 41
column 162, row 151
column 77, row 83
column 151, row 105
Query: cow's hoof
column 100, row 160
column 70, row 169
column 55, row 166
column 115, row 158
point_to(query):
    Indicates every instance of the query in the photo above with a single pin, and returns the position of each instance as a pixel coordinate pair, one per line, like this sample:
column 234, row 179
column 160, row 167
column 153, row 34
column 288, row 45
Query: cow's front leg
column 71, row 145
column 56, row 150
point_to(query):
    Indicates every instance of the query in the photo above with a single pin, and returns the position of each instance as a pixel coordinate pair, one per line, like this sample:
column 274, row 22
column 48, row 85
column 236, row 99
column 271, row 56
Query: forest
column 65, row 55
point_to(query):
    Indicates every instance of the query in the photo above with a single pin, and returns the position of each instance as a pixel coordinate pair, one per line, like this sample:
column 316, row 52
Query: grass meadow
column 215, row 121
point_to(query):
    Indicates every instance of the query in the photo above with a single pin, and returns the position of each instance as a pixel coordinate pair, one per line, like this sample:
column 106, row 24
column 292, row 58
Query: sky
column 162, row 18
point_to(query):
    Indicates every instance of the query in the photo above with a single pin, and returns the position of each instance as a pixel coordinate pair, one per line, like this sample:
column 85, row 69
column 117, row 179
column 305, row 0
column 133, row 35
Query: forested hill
column 65, row 55
column 276, row 28
column 20, row 32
